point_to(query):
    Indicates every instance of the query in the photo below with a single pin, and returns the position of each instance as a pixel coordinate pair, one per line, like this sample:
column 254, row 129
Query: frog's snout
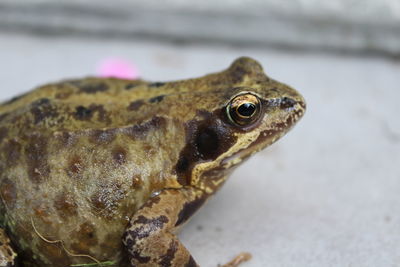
column 301, row 102
column 293, row 103
column 301, row 105
column 294, row 106
column 287, row 102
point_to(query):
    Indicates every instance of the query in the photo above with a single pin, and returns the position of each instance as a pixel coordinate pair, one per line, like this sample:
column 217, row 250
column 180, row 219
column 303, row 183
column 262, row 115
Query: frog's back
column 77, row 105
column 73, row 162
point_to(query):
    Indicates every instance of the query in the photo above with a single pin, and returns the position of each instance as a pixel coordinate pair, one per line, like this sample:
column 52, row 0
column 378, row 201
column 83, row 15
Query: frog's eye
column 244, row 109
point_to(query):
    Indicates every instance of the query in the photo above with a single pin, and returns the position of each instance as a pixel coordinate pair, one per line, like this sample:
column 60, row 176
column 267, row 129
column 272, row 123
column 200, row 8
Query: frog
column 106, row 171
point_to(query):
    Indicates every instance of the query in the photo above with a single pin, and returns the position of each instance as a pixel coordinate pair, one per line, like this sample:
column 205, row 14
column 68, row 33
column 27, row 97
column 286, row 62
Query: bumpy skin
column 86, row 164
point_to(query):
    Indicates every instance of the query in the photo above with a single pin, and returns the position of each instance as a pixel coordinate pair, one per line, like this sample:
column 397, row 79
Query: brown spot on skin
column 150, row 149
column 103, row 115
column 135, row 105
column 206, row 139
column 86, row 113
column 65, row 205
column 140, row 130
column 130, row 86
column 156, row 84
column 165, row 260
column 86, row 238
column 3, row 133
column 137, row 182
column 54, row 253
column 66, row 139
column 8, row 192
column 42, row 213
column 43, row 109
column 36, row 158
column 156, row 99
column 75, row 167
column 107, row 199
column 102, row 136
column 83, row 113
column 119, row 155
column 189, row 209
column 92, row 87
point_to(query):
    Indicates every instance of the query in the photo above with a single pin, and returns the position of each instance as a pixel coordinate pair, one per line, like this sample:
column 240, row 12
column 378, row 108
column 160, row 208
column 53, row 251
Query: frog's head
column 246, row 112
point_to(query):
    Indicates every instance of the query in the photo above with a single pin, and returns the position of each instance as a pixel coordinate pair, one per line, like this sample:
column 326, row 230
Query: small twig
column 105, row 263
column 97, row 262
column 242, row 257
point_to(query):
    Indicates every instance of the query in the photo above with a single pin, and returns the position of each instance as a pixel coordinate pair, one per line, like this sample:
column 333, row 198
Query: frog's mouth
column 237, row 158
column 265, row 139
column 262, row 141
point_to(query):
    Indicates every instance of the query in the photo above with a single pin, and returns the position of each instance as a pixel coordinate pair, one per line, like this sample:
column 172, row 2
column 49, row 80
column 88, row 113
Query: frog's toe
column 7, row 254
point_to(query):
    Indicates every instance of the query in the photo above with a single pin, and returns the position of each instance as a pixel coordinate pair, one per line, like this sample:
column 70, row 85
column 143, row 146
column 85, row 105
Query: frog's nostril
column 287, row 102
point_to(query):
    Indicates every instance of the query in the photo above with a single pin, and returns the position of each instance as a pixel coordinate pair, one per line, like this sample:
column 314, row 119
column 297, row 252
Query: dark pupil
column 246, row 109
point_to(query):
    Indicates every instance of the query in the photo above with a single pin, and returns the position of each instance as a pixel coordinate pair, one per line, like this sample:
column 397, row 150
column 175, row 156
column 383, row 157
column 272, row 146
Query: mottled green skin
column 78, row 158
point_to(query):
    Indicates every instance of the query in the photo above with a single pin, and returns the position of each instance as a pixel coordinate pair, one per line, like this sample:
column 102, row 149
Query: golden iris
column 244, row 109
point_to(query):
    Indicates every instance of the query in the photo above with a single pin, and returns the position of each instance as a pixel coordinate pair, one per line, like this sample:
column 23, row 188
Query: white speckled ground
column 328, row 194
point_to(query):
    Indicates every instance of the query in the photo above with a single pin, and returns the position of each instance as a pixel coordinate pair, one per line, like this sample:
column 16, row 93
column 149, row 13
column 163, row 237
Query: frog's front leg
column 150, row 238
column 7, row 254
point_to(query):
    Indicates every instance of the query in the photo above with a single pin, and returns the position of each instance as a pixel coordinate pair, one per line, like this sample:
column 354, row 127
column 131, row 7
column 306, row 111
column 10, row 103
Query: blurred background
column 327, row 194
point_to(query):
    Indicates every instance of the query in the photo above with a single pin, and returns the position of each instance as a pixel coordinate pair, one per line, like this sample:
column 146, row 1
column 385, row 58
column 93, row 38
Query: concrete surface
column 326, row 195
column 336, row 25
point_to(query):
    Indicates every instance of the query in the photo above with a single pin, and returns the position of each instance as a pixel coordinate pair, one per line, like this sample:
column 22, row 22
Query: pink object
column 117, row 68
